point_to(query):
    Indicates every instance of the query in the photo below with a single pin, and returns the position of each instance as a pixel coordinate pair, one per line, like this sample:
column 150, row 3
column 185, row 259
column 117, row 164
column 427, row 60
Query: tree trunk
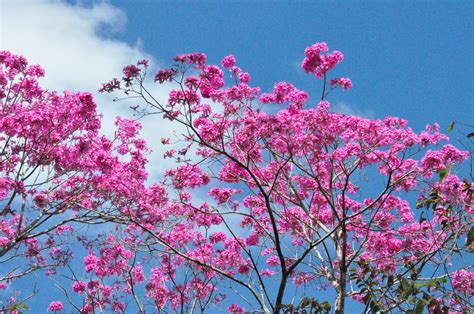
column 341, row 293
column 341, row 252
column 281, row 291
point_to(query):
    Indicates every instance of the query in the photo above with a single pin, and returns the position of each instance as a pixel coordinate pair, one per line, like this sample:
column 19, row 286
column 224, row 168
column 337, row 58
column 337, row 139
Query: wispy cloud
column 77, row 47
column 69, row 41
column 349, row 109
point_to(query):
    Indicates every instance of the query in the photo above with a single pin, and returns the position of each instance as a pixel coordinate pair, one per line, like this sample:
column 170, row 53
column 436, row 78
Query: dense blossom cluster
column 319, row 64
column 299, row 168
column 56, row 171
column 344, row 82
column 259, row 199
column 55, row 306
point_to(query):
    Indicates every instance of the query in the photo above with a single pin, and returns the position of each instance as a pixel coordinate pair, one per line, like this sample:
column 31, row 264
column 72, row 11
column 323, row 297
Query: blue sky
column 412, row 59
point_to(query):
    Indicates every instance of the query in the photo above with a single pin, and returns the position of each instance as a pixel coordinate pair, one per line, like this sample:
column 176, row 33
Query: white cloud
column 64, row 39
column 344, row 108
column 76, row 47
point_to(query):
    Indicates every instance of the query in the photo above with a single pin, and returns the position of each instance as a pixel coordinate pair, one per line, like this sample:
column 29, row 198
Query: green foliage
column 442, row 174
column 17, row 308
column 307, row 306
column 470, row 238
column 451, row 126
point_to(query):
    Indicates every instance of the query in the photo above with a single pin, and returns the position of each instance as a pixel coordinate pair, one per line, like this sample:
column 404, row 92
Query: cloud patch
column 77, row 47
column 345, row 108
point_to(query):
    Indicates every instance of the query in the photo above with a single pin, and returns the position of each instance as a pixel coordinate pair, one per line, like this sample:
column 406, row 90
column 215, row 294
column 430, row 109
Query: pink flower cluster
column 463, row 280
column 228, row 61
column 190, row 176
column 345, row 83
column 306, row 207
column 55, row 306
column 319, row 64
column 285, row 92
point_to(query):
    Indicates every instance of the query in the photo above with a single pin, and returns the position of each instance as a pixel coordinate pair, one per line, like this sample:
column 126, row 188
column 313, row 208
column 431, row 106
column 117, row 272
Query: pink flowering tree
column 299, row 199
column 58, row 175
column 273, row 199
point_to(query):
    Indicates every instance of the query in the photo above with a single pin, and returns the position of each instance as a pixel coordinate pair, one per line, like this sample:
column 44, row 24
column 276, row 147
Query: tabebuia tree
column 275, row 203
column 58, row 176
column 299, row 199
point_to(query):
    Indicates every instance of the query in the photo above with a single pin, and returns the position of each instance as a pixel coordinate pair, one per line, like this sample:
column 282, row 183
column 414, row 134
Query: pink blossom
column 235, row 309
column 267, row 272
column 318, row 63
column 244, row 269
column 244, row 77
column 273, row 261
column 165, row 75
column 345, row 83
column 463, row 280
column 79, row 287
column 228, row 61
column 55, row 306
column 221, row 195
column 131, row 71
column 4, row 241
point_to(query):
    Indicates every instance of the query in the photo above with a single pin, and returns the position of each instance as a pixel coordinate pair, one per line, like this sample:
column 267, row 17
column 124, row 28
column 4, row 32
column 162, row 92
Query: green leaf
column 420, row 284
column 326, row 306
column 390, row 280
column 442, row 174
column 419, row 307
column 470, row 237
column 419, row 204
column 374, row 306
column 432, row 282
column 404, row 285
column 422, row 219
column 426, row 298
column 408, row 292
column 470, row 135
column 305, row 302
column 451, row 126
